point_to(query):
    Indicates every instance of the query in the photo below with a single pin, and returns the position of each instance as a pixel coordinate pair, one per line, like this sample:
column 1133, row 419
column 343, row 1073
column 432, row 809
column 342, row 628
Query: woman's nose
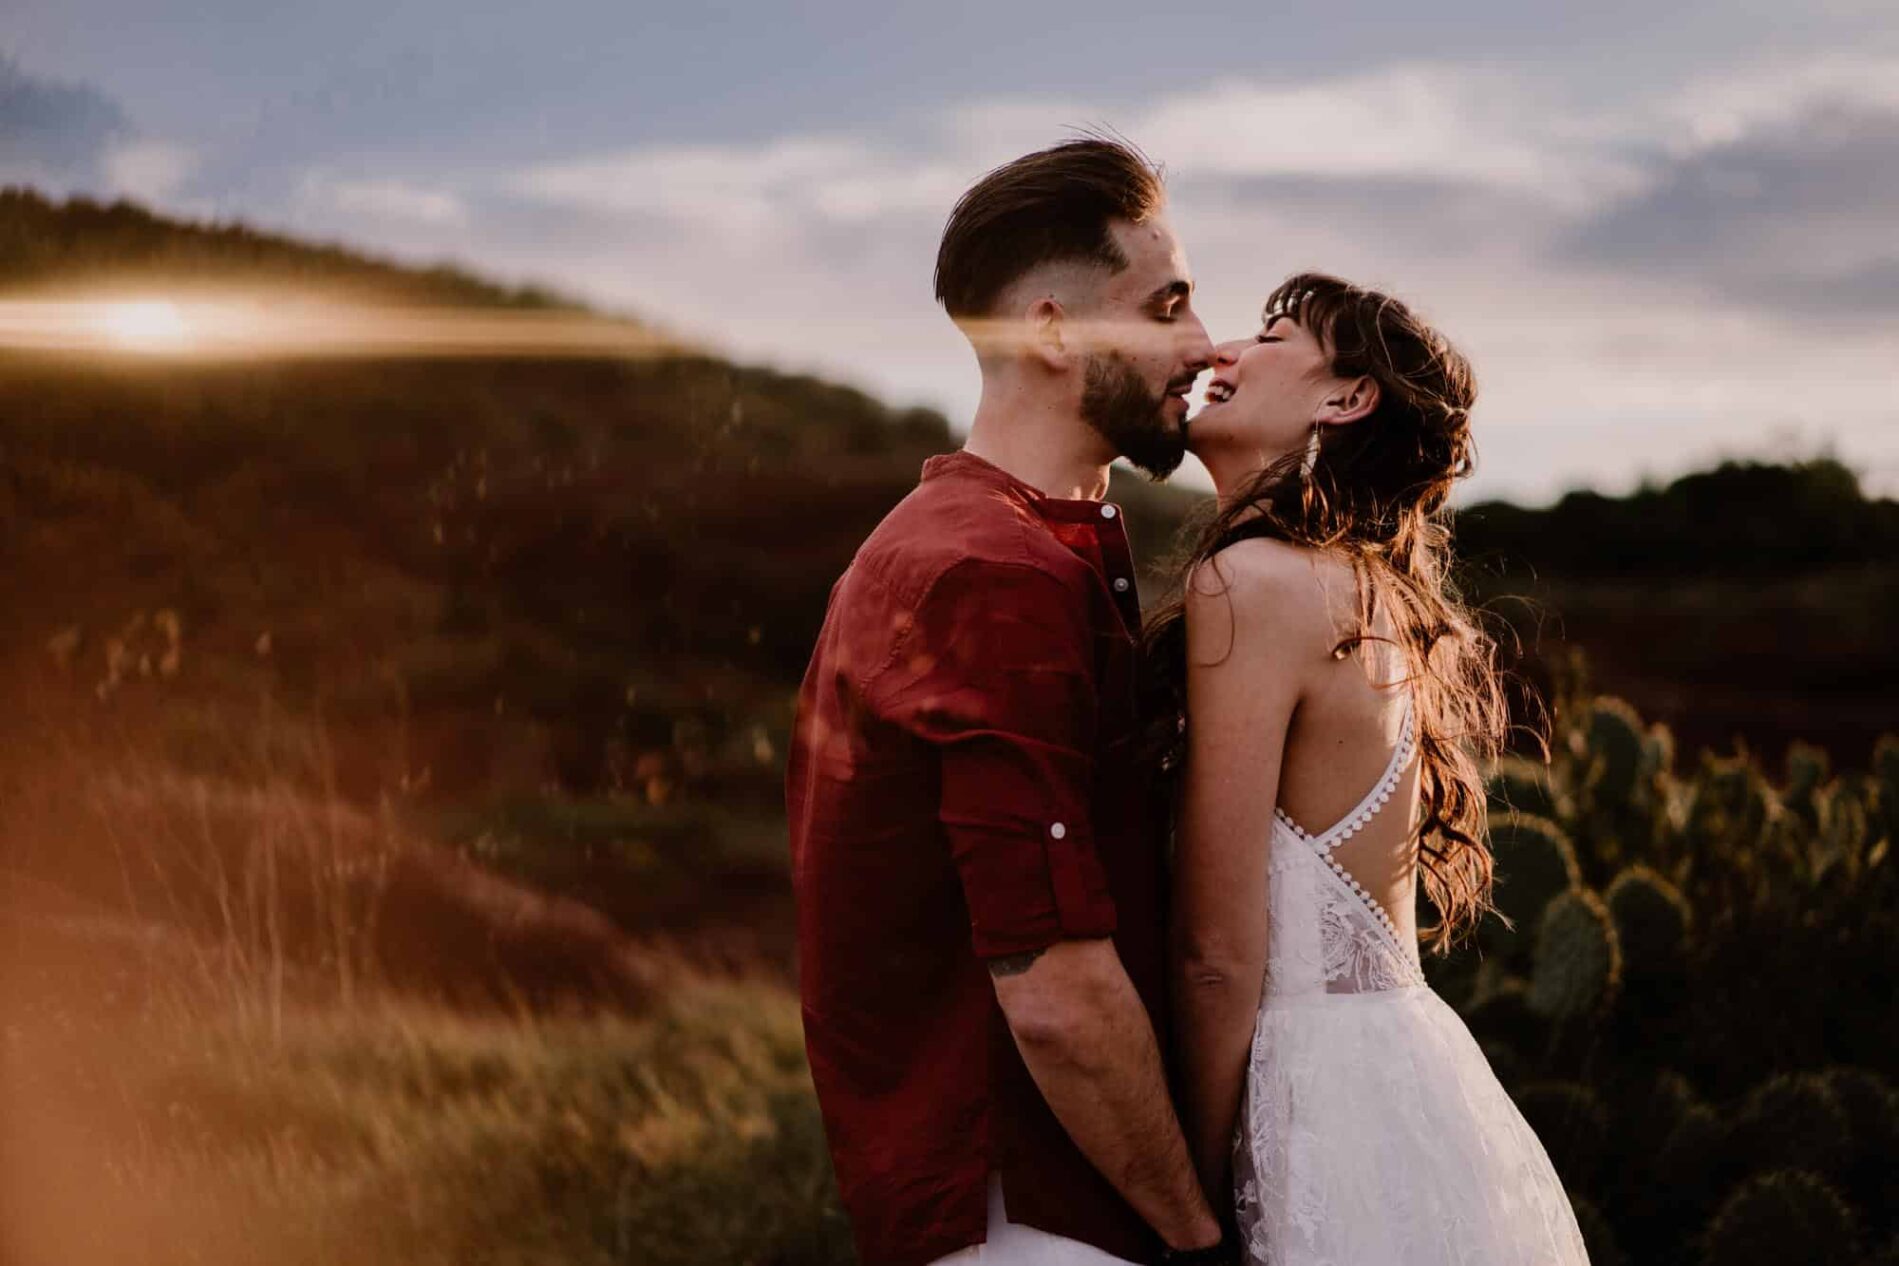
column 1226, row 354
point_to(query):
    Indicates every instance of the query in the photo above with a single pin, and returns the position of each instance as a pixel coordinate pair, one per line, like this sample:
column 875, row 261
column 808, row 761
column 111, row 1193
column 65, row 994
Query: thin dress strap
column 1354, row 822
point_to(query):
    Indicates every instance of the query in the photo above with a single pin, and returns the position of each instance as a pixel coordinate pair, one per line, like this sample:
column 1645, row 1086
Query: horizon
column 1662, row 238
column 152, row 317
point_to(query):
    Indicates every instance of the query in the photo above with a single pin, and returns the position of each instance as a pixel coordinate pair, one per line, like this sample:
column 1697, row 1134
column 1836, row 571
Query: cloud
column 1794, row 214
column 1444, row 124
column 51, row 130
column 1625, row 268
column 752, row 193
column 74, row 138
column 148, row 170
column 386, row 200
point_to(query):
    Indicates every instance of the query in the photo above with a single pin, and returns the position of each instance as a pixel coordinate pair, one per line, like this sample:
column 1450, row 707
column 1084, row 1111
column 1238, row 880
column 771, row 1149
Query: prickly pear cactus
column 1692, row 1153
column 1613, row 740
column 1572, row 1124
column 1645, row 1114
column 1534, row 861
column 1502, row 1015
column 1872, row 1111
column 1845, row 826
column 1730, row 804
column 1744, row 925
column 1658, row 753
column 1652, row 921
column 1598, row 1238
column 1578, row 963
column 1525, row 786
column 1794, row 1121
column 1786, row 1215
column 1808, row 769
column 1886, row 780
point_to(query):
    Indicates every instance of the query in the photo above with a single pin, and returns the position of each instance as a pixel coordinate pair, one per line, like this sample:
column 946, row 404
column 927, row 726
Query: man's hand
column 1087, row 1042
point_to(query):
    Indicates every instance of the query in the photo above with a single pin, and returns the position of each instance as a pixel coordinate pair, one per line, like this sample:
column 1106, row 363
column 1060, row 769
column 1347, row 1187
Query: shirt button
column 1120, row 584
column 1057, row 830
column 1108, row 512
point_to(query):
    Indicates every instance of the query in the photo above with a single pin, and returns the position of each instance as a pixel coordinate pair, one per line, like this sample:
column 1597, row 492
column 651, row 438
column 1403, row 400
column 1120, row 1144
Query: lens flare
column 146, row 325
column 246, row 326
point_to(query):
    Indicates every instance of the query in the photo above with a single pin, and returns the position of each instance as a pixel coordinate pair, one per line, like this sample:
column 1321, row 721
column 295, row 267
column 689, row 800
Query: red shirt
column 963, row 784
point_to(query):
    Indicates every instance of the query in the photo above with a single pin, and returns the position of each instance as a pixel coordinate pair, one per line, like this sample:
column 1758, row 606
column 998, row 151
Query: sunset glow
column 150, row 325
column 280, row 325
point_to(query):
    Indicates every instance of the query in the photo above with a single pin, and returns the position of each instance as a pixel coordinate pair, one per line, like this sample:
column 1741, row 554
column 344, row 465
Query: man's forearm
column 1105, row 1084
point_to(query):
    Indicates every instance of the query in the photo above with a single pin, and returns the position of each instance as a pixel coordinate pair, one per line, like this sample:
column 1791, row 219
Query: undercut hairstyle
column 1056, row 204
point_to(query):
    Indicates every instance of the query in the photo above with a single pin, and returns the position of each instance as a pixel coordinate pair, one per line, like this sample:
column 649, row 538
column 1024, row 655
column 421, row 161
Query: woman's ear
column 1354, row 399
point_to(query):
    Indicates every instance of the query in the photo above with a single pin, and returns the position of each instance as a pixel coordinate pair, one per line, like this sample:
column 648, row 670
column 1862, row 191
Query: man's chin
column 1158, row 463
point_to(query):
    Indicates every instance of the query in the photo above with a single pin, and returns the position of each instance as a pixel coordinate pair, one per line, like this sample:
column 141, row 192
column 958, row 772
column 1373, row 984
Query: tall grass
column 400, row 1133
column 248, row 1021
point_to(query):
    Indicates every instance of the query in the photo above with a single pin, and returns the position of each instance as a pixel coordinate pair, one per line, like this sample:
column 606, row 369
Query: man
column 977, row 862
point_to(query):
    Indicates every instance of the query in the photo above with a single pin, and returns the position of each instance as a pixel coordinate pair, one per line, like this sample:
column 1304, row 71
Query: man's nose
column 1200, row 351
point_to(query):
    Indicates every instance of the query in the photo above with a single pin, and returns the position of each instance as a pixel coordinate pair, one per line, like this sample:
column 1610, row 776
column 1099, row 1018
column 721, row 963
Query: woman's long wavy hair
column 1374, row 491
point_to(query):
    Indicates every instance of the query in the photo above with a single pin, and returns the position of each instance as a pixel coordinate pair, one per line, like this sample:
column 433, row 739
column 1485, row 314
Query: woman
column 1334, row 702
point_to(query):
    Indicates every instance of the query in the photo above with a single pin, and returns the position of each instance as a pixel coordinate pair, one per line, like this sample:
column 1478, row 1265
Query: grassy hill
column 390, row 774
column 46, row 244
column 554, row 612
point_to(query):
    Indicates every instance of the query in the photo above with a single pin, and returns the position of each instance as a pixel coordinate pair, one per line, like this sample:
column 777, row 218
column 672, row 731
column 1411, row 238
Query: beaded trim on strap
column 1355, row 821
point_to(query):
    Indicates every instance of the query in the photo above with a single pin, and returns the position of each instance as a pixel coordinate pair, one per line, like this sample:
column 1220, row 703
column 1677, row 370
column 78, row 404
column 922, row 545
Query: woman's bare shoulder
column 1264, row 593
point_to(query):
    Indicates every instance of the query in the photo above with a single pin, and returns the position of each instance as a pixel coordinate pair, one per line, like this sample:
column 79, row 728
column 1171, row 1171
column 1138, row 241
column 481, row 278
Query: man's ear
column 1352, row 400
column 1047, row 335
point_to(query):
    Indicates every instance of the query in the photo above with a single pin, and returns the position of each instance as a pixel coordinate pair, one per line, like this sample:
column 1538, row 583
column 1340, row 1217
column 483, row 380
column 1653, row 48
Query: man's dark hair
column 1054, row 204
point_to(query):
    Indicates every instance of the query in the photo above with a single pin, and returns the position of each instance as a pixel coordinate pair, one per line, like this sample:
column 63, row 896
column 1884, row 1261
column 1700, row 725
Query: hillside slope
column 79, row 242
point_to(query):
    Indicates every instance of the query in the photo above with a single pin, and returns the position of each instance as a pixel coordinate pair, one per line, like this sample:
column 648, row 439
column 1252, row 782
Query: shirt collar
column 967, row 465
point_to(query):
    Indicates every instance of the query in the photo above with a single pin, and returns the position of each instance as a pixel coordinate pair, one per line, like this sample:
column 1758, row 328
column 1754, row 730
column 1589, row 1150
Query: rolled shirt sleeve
column 997, row 672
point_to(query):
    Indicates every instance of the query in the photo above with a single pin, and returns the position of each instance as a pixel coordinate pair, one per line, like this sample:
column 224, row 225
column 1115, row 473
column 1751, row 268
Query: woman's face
column 1266, row 393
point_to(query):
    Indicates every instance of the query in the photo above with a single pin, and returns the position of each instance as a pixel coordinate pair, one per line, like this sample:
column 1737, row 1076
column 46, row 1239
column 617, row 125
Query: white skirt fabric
column 1374, row 1133
column 1012, row 1244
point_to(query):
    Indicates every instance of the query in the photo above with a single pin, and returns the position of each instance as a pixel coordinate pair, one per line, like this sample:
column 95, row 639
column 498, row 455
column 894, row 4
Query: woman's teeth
column 1219, row 392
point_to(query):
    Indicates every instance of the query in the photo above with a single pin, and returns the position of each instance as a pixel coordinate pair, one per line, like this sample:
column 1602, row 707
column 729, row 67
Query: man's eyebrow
column 1178, row 288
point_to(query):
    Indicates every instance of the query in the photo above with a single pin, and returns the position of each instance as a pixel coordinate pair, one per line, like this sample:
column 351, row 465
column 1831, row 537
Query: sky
column 1663, row 233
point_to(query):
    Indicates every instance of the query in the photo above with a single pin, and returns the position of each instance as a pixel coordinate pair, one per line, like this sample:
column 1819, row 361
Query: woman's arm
column 1250, row 621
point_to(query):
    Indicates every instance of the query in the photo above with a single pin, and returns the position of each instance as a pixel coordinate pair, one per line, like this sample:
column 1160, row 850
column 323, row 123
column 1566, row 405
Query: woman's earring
column 1312, row 453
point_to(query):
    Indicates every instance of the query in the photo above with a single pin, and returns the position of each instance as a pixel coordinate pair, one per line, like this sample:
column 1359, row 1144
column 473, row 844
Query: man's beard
column 1133, row 419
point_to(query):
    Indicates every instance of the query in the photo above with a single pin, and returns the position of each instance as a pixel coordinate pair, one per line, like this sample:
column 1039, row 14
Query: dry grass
column 394, row 1132
column 245, row 1021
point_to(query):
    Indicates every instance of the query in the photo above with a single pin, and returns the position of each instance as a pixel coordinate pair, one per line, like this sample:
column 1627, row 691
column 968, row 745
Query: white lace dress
column 1372, row 1130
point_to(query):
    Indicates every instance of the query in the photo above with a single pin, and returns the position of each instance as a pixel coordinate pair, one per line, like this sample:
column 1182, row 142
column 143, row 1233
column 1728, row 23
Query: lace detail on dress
column 1360, row 959
column 1358, row 946
column 1372, row 1129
